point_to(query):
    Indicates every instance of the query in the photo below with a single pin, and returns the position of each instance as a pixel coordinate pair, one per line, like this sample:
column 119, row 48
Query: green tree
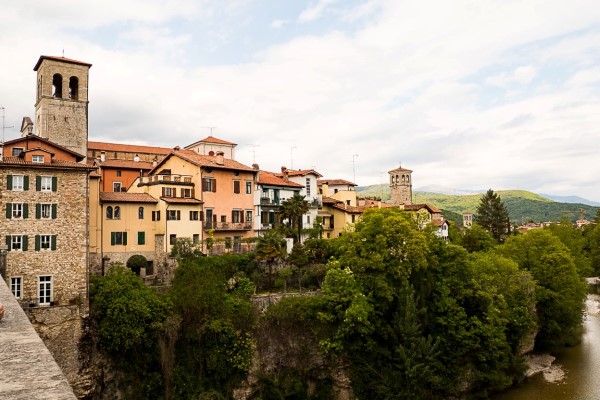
column 575, row 241
column 560, row 290
column 270, row 248
column 185, row 247
column 293, row 209
column 136, row 263
column 477, row 239
column 492, row 215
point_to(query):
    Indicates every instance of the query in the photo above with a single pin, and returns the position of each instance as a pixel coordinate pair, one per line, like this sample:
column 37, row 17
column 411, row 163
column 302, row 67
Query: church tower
column 61, row 107
column 401, row 186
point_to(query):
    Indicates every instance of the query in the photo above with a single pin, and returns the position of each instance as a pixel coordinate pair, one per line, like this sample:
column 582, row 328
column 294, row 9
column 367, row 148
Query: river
column 580, row 364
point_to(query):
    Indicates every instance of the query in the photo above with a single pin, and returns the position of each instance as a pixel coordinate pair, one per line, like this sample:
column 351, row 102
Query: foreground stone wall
column 28, row 370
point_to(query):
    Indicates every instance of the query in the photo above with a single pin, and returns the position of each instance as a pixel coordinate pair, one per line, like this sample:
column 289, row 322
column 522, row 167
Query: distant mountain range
column 523, row 206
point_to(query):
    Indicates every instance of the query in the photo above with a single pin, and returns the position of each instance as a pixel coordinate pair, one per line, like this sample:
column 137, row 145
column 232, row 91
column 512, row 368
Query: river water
column 580, row 365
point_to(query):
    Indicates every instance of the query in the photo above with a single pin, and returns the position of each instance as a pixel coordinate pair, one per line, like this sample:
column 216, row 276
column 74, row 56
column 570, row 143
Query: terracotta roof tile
column 181, row 200
column 130, row 148
column 212, row 139
column 208, row 161
column 329, row 200
column 335, row 182
column 53, row 164
column 48, row 142
column 417, row 207
column 269, row 178
column 299, row 172
column 124, row 197
column 61, row 59
column 349, row 209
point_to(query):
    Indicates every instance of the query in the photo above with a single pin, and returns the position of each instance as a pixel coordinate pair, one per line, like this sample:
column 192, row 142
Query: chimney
column 255, row 166
column 176, row 148
column 286, row 176
column 102, row 156
column 154, row 162
column 324, row 189
column 220, row 158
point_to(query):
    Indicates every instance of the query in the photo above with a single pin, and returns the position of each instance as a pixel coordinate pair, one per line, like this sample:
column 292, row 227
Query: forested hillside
column 523, row 206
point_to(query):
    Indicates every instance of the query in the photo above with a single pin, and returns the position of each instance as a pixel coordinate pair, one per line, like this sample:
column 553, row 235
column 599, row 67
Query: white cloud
column 521, row 75
column 279, row 23
column 315, row 11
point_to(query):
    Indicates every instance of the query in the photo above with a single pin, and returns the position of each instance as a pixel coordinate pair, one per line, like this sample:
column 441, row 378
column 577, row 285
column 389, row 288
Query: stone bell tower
column 61, row 107
column 401, row 186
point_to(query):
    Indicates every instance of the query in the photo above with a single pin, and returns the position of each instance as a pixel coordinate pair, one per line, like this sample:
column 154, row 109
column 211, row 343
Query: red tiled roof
column 349, row 209
column 181, row 200
column 335, row 182
column 299, row 172
column 417, row 207
column 329, row 200
column 212, row 139
column 48, row 142
column 400, row 169
column 49, row 165
column 269, row 178
column 206, row 161
column 61, row 59
column 124, row 197
column 129, row 148
column 127, row 164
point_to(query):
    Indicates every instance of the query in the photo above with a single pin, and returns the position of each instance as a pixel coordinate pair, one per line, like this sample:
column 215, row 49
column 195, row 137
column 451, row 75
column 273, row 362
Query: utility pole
column 354, row 156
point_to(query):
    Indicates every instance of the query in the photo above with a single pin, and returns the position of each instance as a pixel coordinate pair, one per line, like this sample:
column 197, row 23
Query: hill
column 522, row 205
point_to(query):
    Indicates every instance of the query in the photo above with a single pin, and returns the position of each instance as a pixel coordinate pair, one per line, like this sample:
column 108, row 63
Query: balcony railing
column 267, row 201
column 154, row 179
column 228, row 226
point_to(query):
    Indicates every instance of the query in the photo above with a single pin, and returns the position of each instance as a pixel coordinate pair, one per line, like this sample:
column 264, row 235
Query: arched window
column 211, row 153
column 57, row 86
column 117, row 212
column 73, row 87
column 141, row 213
column 39, row 88
column 109, row 212
column 397, row 179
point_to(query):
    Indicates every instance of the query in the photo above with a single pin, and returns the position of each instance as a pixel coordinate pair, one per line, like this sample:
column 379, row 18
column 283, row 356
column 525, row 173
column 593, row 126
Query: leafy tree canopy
column 492, row 215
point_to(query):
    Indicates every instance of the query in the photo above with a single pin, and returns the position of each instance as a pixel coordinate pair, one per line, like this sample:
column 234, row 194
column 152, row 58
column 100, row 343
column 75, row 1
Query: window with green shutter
column 141, row 238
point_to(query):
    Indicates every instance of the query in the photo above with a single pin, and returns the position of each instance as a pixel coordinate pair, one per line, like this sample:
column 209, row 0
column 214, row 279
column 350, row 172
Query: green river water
column 580, row 365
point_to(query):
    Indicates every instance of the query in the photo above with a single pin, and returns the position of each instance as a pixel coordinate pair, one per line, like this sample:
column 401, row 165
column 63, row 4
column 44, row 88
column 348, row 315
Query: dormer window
column 37, row 159
column 16, row 151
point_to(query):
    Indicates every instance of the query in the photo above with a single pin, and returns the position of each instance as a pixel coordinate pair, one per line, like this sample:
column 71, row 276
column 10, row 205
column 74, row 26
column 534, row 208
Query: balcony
column 316, row 202
column 184, row 180
column 267, row 201
column 228, row 226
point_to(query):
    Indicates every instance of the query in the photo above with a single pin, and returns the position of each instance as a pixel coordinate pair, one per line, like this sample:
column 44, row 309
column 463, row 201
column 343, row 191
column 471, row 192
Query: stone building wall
column 67, row 264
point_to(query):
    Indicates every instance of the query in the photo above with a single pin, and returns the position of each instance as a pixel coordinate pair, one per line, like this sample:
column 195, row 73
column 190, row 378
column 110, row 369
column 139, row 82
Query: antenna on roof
column 292, row 156
column 254, row 146
column 354, row 156
column 63, row 51
column 3, row 127
column 211, row 129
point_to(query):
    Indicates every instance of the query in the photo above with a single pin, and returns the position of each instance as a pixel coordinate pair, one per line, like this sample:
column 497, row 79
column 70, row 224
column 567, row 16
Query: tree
column 270, row 247
column 293, row 209
column 493, row 216
column 136, row 263
column 477, row 239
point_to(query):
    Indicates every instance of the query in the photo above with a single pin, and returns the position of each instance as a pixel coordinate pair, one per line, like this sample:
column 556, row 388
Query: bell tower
column 61, row 107
column 401, row 186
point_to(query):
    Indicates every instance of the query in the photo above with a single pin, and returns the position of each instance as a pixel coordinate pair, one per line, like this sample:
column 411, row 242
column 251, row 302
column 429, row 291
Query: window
column 37, row 159
column 116, row 186
column 155, row 215
column 45, row 211
column 57, row 85
column 17, row 242
column 118, row 238
column 73, row 88
column 223, row 218
column 237, row 216
column 353, row 218
column 16, row 210
column 228, row 242
column 117, row 213
column 236, row 187
column 45, row 183
column 16, row 151
column 196, row 238
column 194, row 215
column 187, row 193
column 173, row 215
column 209, row 185
column 16, row 285
column 172, row 239
column 17, row 182
column 248, row 215
column 45, row 242
column 118, row 173
column 168, row 192
column 308, row 186
column 45, row 289
column 141, row 238
column 248, row 187
column 109, row 212
column 141, row 213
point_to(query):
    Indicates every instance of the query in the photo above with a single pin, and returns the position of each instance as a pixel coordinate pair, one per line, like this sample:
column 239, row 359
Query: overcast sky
column 468, row 94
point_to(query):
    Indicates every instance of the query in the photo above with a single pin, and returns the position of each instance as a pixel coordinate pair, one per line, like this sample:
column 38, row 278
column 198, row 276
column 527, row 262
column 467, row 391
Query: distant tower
column 401, row 186
column 467, row 219
column 61, row 107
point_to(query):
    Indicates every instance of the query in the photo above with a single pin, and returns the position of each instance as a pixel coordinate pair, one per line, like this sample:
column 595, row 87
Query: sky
column 468, row 94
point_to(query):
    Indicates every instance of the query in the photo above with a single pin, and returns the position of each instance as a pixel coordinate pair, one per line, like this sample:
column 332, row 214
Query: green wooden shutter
column 9, row 182
column 141, row 237
column 38, row 211
column 25, row 210
column 112, row 238
column 53, row 242
column 214, row 186
column 8, row 210
column 25, row 237
column 37, row 243
column 8, row 242
column 38, row 183
column 26, row 182
column 124, row 238
column 54, row 210
column 54, row 183
column 178, row 215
